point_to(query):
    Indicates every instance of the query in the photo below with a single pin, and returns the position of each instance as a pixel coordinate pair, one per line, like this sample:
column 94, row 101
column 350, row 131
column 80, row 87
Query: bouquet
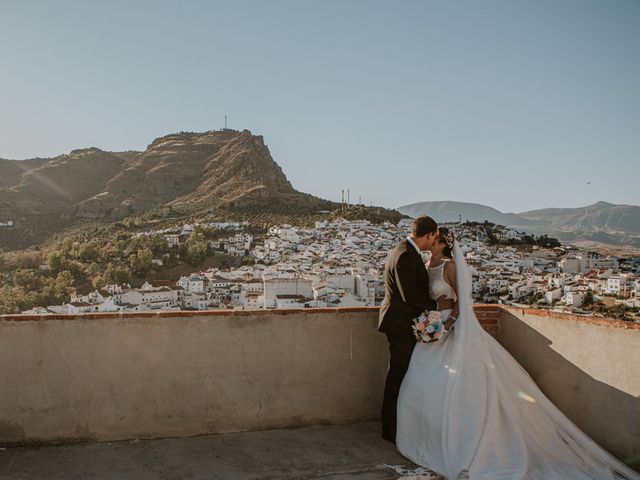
column 427, row 327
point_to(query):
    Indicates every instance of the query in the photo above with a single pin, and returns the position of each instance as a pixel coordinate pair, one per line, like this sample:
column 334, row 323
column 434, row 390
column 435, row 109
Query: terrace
column 264, row 394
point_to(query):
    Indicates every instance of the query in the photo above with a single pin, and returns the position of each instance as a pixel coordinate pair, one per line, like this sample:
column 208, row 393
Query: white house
column 193, row 283
column 553, row 295
column 273, row 287
column 572, row 265
column 172, row 240
column 575, row 298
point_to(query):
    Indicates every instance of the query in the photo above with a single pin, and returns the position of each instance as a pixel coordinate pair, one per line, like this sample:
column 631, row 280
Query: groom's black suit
column 406, row 296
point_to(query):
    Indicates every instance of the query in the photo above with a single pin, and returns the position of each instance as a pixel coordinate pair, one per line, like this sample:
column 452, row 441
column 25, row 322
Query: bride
column 467, row 409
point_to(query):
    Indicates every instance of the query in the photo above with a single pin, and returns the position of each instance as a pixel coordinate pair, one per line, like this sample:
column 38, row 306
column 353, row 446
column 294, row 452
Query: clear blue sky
column 513, row 104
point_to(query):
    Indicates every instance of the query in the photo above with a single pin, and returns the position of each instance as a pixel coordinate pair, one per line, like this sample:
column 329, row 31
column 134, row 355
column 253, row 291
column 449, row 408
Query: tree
column 58, row 261
column 30, row 260
column 26, row 279
column 196, row 248
column 547, row 242
column 140, row 262
column 88, row 251
column 117, row 274
column 63, row 285
column 8, row 297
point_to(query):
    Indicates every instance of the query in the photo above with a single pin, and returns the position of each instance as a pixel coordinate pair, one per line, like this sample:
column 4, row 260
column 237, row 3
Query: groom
column 406, row 296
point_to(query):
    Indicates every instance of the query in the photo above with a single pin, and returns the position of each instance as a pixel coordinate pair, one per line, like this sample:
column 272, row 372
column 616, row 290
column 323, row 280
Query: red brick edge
column 487, row 314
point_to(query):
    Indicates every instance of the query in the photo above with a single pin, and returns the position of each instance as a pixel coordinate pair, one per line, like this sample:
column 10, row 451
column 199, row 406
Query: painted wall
column 145, row 375
column 105, row 377
column 588, row 367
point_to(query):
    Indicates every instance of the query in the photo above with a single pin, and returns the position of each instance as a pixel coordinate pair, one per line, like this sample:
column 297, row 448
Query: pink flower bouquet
column 427, row 327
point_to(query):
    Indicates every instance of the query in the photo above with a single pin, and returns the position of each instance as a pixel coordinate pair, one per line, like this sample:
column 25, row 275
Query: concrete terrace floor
column 344, row 452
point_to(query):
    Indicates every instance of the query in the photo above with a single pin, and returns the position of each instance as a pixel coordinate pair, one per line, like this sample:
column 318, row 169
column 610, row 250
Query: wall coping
column 481, row 307
column 592, row 320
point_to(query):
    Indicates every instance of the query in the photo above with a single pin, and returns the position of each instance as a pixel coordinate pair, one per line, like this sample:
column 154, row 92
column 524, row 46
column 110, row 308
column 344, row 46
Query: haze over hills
column 189, row 174
column 446, row 211
column 599, row 223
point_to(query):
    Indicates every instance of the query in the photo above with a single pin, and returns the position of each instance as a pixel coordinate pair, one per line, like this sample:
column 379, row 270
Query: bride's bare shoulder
column 450, row 267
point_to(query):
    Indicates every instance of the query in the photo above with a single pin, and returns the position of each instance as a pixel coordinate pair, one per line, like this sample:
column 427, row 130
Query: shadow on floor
column 344, row 452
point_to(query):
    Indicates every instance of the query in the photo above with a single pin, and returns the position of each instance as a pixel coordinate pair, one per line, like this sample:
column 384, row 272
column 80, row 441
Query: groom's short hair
column 423, row 225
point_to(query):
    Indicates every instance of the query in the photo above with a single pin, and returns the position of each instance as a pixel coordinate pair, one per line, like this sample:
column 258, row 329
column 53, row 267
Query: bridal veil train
column 480, row 414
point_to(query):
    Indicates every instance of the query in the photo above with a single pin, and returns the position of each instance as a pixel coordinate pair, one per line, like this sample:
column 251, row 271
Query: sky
column 509, row 103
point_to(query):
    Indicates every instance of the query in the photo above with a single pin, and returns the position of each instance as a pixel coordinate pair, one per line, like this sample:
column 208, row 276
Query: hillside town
column 340, row 264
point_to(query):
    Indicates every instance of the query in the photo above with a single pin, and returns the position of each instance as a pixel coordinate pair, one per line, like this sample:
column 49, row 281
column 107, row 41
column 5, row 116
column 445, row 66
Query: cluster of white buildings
column 339, row 264
column 563, row 278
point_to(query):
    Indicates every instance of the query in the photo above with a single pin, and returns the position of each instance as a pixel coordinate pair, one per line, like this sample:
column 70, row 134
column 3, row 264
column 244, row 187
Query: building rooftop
column 266, row 394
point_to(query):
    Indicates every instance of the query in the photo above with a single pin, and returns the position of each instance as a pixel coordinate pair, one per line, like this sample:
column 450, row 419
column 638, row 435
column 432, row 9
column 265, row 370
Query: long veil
column 497, row 423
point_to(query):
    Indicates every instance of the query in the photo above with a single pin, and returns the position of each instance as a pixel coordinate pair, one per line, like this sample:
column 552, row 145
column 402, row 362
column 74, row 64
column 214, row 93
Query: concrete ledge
column 107, row 378
column 588, row 367
column 185, row 313
column 588, row 319
column 69, row 378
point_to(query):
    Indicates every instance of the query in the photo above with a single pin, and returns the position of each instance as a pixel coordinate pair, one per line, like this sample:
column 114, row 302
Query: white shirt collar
column 414, row 245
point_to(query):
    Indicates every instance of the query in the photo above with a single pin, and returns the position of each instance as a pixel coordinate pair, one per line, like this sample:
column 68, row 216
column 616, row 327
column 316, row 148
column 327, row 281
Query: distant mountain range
column 187, row 174
column 601, row 223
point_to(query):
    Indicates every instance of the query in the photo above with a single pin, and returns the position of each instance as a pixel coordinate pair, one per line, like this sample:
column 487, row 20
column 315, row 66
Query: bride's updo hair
column 446, row 236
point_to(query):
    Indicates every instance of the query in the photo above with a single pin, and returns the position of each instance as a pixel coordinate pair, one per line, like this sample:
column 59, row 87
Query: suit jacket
column 406, row 285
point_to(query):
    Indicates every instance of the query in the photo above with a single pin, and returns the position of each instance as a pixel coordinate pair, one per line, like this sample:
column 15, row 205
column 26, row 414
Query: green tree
column 158, row 245
column 117, row 274
column 63, row 285
column 88, row 251
column 196, row 248
column 58, row 261
column 26, row 279
column 8, row 297
column 140, row 262
column 29, row 260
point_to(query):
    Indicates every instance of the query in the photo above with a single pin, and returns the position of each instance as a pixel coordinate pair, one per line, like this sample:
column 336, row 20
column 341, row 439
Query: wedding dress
column 467, row 409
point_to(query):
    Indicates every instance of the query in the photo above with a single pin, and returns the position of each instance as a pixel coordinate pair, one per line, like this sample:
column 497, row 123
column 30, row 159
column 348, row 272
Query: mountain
column 219, row 168
column 602, row 223
column 600, row 217
column 445, row 211
column 38, row 186
column 186, row 174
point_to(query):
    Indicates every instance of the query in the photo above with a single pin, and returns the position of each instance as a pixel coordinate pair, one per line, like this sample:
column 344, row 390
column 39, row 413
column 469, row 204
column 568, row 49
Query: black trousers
column 400, row 350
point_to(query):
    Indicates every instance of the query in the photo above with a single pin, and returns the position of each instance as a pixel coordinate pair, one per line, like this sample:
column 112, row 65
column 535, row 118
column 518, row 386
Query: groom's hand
column 444, row 303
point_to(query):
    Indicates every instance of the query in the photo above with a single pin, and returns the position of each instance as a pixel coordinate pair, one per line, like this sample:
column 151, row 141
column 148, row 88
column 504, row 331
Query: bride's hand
column 444, row 303
column 448, row 325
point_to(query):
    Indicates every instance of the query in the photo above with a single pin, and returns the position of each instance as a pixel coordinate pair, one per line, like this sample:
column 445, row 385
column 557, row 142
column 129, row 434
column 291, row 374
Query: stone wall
column 589, row 368
column 108, row 376
column 144, row 375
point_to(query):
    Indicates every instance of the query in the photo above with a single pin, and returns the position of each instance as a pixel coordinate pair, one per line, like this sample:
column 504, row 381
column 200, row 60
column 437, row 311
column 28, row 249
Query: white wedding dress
column 467, row 409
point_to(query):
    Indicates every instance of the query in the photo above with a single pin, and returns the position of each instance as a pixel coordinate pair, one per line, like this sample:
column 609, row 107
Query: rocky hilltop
column 188, row 172
column 220, row 168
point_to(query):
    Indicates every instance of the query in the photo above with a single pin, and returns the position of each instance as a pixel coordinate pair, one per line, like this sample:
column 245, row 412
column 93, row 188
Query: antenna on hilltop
column 225, row 122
